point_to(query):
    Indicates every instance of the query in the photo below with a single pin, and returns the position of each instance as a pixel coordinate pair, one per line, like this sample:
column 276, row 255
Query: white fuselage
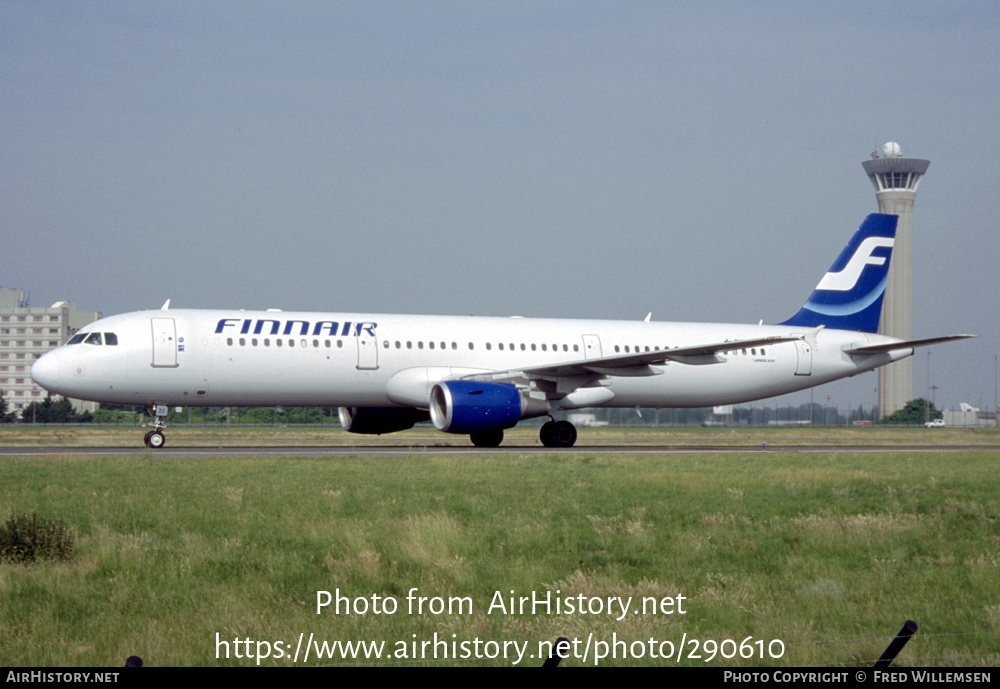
column 267, row 358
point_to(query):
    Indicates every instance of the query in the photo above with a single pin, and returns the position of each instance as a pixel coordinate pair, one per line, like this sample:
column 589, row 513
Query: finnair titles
column 328, row 328
column 479, row 376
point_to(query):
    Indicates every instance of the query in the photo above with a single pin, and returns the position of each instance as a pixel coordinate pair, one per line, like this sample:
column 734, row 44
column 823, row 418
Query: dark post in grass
column 558, row 648
column 904, row 635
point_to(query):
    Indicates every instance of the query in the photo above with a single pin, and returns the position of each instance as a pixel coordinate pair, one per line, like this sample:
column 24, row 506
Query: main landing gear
column 487, row 438
column 553, row 434
column 558, row 434
column 155, row 439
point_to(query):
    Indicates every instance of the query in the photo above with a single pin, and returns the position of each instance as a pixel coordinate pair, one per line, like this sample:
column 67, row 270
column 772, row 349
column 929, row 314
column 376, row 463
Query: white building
column 25, row 334
column 968, row 416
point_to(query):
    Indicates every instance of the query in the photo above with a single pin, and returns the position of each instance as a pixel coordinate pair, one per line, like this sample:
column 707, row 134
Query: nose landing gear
column 155, row 438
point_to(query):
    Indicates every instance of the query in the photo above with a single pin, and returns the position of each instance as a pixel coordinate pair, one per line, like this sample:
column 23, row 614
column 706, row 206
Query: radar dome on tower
column 891, row 150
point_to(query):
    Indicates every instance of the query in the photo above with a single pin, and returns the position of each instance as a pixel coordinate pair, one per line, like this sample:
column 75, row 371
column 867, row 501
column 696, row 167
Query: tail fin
column 849, row 297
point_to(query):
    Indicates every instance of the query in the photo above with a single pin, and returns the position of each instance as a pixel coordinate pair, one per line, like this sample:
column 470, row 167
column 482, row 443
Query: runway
column 194, row 451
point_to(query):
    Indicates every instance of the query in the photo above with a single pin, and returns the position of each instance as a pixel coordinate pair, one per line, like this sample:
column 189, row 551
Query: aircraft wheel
column 145, row 439
column 487, row 438
column 155, row 440
column 545, row 434
column 558, row 434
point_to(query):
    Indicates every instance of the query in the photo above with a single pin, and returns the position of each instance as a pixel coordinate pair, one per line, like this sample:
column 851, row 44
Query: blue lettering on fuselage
column 303, row 331
column 295, row 327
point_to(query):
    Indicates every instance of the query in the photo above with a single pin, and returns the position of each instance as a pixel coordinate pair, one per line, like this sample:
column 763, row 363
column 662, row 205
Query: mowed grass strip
column 180, row 435
column 809, row 549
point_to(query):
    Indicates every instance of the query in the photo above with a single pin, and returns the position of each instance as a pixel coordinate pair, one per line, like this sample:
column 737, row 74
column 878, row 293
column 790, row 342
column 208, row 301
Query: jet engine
column 465, row 406
column 379, row 420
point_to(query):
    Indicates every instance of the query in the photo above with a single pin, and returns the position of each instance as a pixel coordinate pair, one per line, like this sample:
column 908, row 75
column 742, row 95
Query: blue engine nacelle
column 378, row 420
column 465, row 406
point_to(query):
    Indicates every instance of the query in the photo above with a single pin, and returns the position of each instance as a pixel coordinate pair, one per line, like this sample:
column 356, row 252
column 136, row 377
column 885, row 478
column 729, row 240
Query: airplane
column 479, row 376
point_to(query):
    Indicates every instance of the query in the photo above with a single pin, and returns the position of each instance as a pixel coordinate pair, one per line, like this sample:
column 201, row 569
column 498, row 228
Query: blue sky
column 583, row 159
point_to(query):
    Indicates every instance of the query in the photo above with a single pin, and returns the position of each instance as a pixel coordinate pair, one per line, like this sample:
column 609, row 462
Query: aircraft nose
column 45, row 371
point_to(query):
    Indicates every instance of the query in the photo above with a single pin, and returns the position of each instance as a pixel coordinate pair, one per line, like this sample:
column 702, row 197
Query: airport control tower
column 896, row 179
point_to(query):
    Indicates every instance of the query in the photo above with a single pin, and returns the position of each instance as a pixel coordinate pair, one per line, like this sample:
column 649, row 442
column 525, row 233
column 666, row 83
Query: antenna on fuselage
column 166, row 306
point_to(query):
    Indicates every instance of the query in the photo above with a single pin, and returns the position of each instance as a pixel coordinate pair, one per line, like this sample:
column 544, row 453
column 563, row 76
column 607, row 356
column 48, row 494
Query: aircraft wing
column 908, row 344
column 637, row 364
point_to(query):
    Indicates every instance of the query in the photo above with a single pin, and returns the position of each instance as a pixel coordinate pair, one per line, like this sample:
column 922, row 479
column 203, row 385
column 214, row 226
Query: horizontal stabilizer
column 909, row 344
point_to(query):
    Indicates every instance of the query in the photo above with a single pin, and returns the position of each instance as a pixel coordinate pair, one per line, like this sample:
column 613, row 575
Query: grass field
column 829, row 553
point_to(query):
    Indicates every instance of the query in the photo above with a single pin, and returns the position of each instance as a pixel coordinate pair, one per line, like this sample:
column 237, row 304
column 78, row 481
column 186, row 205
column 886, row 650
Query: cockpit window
column 110, row 339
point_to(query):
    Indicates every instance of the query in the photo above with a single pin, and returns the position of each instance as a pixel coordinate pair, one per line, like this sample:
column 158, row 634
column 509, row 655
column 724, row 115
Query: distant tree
column 124, row 407
column 37, row 412
column 103, row 415
column 47, row 411
column 62, row 411
column 4, row 416
column 306, row 415
column 913, row 414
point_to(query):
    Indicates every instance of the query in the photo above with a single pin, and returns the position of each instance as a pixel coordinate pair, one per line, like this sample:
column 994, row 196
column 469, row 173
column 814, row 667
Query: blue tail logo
column 849, row 297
